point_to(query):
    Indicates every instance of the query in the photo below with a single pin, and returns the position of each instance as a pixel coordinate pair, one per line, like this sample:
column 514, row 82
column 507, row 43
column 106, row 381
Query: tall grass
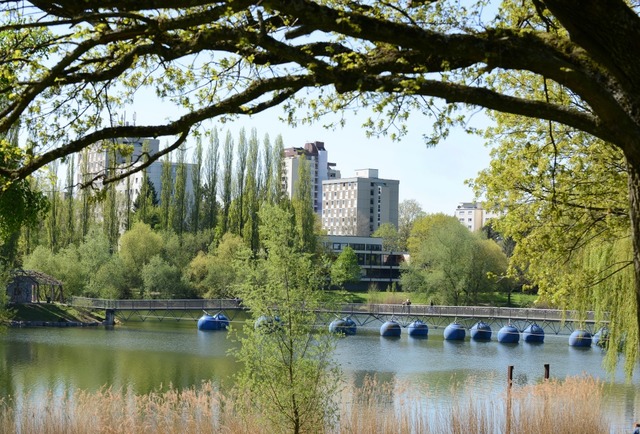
column 570, row 406
column 557, row 407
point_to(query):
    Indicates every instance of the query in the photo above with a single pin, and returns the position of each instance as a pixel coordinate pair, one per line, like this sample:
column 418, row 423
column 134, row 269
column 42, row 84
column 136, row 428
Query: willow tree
column 564, row 197
column 398, row 58
column 450, row 263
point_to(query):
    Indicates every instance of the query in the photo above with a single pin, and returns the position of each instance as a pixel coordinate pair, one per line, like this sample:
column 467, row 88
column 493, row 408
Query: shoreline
column 28, row 324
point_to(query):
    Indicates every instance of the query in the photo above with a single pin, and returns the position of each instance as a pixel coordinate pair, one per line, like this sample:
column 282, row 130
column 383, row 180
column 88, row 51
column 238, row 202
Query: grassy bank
column 52, row 312
column 388, row 297
column 570, row 406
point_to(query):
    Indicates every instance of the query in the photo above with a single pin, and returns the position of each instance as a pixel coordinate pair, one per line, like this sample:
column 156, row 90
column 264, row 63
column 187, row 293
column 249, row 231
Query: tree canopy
column 392, row 56
column 450, row 263
column 345, row 268
column 288, row 375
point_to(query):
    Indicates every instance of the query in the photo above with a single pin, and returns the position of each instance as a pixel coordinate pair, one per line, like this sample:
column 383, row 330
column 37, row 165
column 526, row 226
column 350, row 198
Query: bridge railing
column 464, row 312
column 151, row 304
column 346, row 309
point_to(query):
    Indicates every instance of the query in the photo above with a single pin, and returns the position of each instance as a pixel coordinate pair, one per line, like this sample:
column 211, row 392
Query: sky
column 433, row 176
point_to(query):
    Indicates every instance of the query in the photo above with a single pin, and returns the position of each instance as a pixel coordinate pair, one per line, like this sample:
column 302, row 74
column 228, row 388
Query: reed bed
column 558, row 407
column 569, row 406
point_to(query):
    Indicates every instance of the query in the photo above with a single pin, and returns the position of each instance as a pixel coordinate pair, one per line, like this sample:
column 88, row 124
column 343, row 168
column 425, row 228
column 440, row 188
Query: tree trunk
column 634, row 214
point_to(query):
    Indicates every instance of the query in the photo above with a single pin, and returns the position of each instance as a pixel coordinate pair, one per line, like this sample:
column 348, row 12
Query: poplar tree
column 166, row 192
column 196, row 183
column 178, row 209
column 267, row 166
column 70, row 227
column 239, row 184
column 141, row 203
column 52, row 220
column 128, row 203
column 253, row 189
column 302, row 202
column 227, row 179
column 86, row 213
column 277, row 192
column 110, row 221
column 210, row 189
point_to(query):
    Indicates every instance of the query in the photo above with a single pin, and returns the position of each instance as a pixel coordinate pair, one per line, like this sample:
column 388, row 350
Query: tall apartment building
column 99, row 160
column 358, row 206
column 319, row 167
column 472, row 215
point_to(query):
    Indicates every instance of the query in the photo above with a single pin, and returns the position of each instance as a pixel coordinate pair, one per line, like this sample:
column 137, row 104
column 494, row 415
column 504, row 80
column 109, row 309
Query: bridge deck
column 350, row 309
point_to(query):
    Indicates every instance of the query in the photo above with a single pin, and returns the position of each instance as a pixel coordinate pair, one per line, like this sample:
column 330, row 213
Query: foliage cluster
column 451, row 264
column 288, row 368
column 162, row 251
column 563, row 197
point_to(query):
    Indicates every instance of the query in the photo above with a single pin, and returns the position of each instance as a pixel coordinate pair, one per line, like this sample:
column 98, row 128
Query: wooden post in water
column 509, row 384
column 546, row 371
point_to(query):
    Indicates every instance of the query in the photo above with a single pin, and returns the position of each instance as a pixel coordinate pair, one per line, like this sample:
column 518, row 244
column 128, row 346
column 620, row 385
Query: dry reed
column 573, row 405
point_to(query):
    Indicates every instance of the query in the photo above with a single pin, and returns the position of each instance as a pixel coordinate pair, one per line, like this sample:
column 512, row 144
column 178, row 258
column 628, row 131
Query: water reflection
column 151, row 356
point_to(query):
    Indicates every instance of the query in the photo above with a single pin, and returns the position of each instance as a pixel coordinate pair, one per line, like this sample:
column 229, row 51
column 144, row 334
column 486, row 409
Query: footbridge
column 363, row 314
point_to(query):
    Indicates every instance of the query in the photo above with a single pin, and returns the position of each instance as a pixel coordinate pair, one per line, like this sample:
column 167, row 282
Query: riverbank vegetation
column 143, row 248
column 53, row 312
column 561, row 407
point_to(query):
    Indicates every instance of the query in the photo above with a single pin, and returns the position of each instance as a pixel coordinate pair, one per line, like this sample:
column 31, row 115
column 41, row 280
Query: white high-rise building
column 358, row 206
column 319, row 167
column 99, row 161
column 473, row 216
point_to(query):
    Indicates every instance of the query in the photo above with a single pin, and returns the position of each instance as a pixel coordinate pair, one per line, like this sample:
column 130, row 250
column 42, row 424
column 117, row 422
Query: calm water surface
column 152, row 355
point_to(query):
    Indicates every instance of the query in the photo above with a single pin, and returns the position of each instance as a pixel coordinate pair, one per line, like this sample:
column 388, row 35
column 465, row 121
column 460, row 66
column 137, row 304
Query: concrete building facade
column 319, row 167
column 99, row 160
column 473, row 216
column 357, row 206
column 378, row 267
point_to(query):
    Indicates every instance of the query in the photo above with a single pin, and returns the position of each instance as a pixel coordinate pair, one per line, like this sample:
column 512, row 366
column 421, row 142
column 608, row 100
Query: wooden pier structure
column 363, row 314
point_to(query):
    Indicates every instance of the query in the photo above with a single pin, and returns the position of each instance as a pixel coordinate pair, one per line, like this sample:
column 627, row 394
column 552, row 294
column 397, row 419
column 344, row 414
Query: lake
column 146, row 356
